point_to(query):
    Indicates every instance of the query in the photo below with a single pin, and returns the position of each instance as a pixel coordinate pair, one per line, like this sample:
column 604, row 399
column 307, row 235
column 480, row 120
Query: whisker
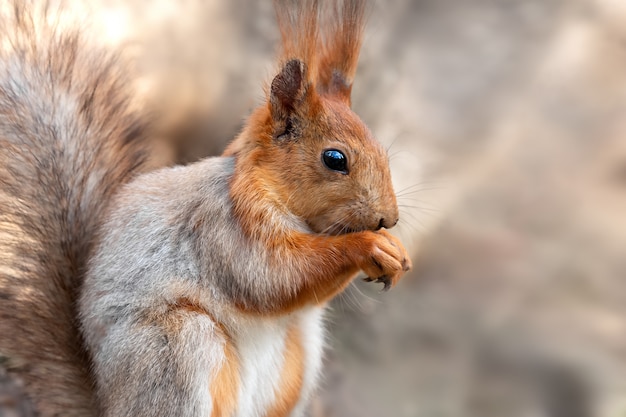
column 414, row 218
column 350, row 300
column 421, row 208
column 410, row 198
column 417, row 190
column 359, row 297
column 413, row 213
column 412, row 226
column 342, row 221
column 421, row 184
column 393, row 142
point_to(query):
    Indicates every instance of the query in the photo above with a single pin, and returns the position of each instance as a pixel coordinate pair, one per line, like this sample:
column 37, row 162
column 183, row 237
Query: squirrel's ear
column 339, row 86
column 288, row 89
column 340, row 51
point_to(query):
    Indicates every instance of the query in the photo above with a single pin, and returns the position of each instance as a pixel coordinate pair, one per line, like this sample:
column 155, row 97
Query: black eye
column 335, row 160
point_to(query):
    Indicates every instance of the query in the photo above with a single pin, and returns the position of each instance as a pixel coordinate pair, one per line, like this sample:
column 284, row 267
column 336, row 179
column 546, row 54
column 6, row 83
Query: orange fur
column 323, row 265
column 300, row 33
column 312, row 93
column 225, row 384
column 308, row 225
column 339, row 58
column 291, row 376
column 327, row 40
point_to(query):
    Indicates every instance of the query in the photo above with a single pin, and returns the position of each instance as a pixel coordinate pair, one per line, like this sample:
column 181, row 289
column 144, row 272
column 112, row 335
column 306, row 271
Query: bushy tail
column 68, row 140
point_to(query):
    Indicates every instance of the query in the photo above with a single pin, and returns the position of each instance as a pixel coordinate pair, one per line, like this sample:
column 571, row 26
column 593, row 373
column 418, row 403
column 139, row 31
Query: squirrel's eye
column 335, row 160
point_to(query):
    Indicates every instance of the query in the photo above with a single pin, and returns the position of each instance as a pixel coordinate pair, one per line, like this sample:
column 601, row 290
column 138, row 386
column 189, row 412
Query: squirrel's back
column 68, row 139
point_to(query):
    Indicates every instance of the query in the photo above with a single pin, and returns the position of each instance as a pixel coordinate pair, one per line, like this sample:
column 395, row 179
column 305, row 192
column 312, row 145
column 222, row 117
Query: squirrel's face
column 327, row 167
column 334, row 174
column 317, row 158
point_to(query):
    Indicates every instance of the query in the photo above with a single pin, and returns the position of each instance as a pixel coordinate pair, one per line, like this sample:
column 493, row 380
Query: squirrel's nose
column 383, row 222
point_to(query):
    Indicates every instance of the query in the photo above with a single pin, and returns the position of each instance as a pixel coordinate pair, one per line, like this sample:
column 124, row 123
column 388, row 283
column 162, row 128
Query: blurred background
column 506, row 127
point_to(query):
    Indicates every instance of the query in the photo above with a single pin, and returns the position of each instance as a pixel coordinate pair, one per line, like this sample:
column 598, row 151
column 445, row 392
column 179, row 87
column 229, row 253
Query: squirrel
column 127, row 290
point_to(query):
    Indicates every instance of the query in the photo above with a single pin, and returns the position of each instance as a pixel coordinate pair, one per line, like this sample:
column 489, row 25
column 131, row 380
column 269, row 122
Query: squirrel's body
column 186, row 291
column 166, row 272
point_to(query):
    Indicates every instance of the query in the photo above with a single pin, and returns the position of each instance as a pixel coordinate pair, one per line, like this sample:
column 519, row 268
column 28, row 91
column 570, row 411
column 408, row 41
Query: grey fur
column 67, row 141
column 170, row 237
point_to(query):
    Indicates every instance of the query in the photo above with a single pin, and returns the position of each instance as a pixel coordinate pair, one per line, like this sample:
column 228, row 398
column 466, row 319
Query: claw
column 378, row 265
column 385, row 280
column 368, row 279
column 405, row 265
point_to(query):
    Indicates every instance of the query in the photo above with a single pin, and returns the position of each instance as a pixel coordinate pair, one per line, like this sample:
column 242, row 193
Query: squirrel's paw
column 388, row 260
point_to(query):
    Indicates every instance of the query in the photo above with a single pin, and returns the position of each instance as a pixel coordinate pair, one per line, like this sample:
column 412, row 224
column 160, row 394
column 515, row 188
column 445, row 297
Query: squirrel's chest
column 278, row 365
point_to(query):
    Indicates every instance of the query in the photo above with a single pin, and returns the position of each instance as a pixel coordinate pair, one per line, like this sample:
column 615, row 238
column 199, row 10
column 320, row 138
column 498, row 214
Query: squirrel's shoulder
column 175, row 188
column 161, row 207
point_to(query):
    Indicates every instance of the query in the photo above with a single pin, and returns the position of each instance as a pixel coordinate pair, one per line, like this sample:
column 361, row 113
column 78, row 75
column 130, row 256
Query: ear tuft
column 288, row 89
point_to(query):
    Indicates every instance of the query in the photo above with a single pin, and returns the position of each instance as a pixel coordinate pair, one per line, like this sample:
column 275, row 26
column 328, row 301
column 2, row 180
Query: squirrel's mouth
column 340, row 229
column 324, row 226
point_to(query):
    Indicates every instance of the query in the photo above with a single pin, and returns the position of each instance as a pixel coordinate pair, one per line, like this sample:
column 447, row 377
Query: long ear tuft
column 298, row 21
column 341, row 46
column 327, row 43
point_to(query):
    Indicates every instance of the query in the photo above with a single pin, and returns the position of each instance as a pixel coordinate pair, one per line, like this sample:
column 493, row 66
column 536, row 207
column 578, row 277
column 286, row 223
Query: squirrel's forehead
column 341, row 119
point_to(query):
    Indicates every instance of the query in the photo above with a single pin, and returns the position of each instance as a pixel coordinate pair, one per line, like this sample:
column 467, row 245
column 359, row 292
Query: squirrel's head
column 316, row 156
column 331, row 171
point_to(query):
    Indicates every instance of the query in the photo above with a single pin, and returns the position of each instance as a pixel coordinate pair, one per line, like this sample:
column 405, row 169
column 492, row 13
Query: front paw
column 386, row 261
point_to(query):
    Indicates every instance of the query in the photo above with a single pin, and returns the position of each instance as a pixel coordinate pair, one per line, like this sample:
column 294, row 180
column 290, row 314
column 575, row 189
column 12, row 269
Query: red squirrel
column 200, row 288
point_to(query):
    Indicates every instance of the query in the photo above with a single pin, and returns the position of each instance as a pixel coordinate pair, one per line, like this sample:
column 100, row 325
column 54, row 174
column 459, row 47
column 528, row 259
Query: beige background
column 505, row 122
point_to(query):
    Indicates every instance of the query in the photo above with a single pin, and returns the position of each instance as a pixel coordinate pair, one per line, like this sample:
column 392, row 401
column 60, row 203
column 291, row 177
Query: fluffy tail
column 68, row 140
